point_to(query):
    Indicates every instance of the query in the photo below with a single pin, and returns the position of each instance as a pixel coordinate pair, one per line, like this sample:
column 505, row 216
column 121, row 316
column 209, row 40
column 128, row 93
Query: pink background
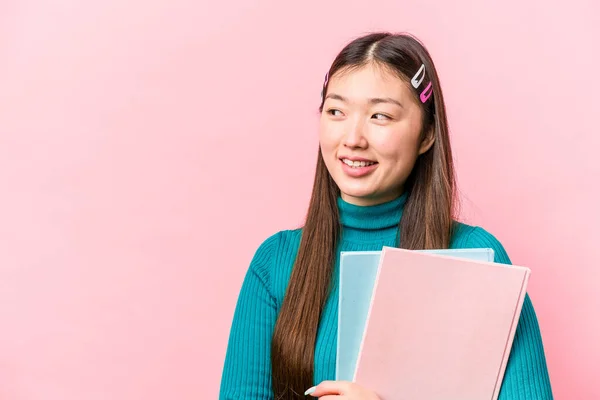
column 148, row 147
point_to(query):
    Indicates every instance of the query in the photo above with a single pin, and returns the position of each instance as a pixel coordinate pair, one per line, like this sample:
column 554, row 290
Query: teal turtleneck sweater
column 246, row 373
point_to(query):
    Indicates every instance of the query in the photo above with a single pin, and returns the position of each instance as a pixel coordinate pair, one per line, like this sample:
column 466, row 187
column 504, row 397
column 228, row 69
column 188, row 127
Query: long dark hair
column 426, row 222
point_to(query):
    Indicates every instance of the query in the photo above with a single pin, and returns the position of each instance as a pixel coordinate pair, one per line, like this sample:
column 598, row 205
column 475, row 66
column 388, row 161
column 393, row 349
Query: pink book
column 440, row 327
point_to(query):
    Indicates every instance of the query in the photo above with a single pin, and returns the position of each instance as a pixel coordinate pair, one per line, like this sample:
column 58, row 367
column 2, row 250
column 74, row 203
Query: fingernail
column 310, row 391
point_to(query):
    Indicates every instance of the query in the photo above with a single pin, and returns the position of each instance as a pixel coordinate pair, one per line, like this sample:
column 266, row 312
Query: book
column 439, row 327
column 358, row 270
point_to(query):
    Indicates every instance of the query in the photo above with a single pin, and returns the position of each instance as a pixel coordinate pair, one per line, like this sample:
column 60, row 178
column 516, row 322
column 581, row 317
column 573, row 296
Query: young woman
column 384, row 177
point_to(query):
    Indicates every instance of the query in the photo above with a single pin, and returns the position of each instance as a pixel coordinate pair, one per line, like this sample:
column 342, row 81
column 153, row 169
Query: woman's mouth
column 357, row 164
column 359, row 167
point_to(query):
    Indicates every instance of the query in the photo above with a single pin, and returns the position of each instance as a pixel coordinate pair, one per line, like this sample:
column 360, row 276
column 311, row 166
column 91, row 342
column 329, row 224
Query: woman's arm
column 526, row 376
column 247, row 369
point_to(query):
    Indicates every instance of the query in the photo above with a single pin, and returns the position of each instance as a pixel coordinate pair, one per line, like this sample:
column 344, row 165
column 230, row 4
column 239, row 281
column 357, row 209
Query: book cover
column 358, row 270
column 439, row 327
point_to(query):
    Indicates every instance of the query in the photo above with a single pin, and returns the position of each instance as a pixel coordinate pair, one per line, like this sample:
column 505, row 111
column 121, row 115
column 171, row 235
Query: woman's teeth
column 357, row 164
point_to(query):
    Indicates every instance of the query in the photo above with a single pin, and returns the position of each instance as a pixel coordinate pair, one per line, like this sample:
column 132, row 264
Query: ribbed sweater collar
column 371, row 218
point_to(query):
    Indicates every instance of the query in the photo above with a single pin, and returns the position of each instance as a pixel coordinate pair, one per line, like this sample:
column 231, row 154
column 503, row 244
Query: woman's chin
column 361, row 196
column 367, row 196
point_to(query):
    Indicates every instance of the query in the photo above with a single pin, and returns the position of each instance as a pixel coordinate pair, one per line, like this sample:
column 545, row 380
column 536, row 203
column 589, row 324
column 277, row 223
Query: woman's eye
column 381, row 116
column 334, row 112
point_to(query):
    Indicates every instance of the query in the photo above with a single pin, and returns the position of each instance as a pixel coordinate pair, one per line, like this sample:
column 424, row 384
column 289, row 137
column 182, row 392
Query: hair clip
column 416, row 81
column 424, row 97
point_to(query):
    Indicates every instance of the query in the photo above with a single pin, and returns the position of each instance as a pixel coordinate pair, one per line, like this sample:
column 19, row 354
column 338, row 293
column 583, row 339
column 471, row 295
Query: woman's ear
column 427, row 141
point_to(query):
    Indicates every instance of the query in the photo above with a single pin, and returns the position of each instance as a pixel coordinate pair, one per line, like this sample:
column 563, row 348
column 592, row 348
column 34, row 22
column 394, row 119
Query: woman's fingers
column 328, row 388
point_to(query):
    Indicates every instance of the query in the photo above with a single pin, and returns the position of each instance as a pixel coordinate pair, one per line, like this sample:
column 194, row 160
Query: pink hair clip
column 416, row 81
column 424, row 97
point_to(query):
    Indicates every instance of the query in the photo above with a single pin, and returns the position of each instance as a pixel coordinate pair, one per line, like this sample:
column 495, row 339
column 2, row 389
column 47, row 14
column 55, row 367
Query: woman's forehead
column 369, row 81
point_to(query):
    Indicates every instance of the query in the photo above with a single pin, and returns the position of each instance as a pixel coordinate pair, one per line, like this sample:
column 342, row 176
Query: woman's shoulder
column 465, row 236
column 280, row 240
column 274, row 259
column 281, row 244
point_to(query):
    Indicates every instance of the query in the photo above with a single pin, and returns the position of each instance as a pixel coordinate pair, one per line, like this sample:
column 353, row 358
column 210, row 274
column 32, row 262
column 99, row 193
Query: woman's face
column 370, row 134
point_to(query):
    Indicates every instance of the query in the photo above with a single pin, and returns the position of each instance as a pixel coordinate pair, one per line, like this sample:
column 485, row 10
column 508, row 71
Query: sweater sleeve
column 247, row 368
column 526, row 376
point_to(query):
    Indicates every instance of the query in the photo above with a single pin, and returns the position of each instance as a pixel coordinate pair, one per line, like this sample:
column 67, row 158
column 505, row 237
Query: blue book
column 358, row 271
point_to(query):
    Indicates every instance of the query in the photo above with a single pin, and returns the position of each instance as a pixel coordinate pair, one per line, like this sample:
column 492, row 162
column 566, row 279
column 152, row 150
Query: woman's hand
column 338, row 390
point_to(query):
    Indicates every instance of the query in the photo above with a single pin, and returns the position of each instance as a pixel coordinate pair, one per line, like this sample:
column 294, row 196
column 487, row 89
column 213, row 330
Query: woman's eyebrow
column 375, row 100
column 378, row 100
